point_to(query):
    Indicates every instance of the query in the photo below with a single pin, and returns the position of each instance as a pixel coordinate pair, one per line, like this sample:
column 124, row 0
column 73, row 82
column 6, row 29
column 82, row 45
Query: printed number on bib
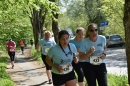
column 11, row 49
column 95, row 60
column 47, row 49
column 67, row 68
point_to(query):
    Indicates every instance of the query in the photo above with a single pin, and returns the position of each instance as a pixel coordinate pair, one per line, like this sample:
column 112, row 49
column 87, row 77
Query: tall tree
column 55, row 27
column 126, row 21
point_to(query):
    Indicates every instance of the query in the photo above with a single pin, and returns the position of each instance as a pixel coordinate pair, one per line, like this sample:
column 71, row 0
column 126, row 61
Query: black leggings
column 78, row 69
column 22, row 48
column 11, row 55
column 44, row 60
column 93, row 72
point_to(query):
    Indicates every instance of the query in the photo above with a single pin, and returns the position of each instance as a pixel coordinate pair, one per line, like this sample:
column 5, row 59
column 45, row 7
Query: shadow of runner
column 43, row 83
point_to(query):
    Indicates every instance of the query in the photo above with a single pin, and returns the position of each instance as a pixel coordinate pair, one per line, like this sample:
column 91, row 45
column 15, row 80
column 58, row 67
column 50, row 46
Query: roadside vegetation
column 5, row 79
column 19, row 20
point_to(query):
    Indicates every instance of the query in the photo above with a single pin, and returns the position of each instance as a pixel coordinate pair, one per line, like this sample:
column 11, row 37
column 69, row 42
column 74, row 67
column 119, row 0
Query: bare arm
column 104, row 53
column 49, row 62
column 83, row 55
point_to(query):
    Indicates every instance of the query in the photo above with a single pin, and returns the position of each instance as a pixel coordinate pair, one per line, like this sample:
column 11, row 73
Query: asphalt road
column 116, row 60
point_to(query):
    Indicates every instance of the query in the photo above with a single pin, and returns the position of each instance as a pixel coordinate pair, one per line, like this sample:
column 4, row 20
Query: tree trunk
column 55, row 27
column 126, row 21
column 34, row 23
column 37, row 21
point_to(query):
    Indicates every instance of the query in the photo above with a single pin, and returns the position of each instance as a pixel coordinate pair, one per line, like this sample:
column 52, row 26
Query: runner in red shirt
column 11, row 48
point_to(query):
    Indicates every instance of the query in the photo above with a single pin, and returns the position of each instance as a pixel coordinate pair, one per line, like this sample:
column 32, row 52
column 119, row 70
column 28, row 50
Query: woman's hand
column 92, row 49
column 76, row 60
column 59, row 69
column 103, row 56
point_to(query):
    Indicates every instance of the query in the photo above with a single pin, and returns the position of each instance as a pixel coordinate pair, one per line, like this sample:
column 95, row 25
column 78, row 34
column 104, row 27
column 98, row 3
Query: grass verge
column 5, row 79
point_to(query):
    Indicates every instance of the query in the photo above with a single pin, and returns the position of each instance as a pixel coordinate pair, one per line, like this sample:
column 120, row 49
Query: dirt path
column 27, row 71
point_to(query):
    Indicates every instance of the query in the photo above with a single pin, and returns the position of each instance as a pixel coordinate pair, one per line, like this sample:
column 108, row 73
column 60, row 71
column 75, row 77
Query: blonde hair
column 79, row 29
column 89, row 28
column 47, row 32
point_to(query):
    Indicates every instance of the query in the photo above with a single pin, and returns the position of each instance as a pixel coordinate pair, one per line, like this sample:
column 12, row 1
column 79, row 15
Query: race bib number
column 95, row 60
column 12, row 50
column 47, row 49
column 67, row 68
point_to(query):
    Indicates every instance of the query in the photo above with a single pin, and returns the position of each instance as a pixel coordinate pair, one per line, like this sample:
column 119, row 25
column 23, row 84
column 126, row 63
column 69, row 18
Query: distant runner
column 11, row 48
column 22, row 45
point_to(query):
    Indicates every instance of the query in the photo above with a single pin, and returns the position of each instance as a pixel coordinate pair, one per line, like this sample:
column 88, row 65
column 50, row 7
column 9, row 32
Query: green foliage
column 115, row 80
column 36, row 55
column 5, row 79
column 6, row 82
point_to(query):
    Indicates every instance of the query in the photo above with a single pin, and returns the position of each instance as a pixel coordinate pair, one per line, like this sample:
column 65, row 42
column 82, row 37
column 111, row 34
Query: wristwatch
column 104, row 54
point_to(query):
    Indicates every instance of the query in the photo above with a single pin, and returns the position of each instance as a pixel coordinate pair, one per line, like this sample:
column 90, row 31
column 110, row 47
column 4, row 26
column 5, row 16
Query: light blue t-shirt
column 77, row 44
column 46, row 45
column 99, row 46
column 59, row 57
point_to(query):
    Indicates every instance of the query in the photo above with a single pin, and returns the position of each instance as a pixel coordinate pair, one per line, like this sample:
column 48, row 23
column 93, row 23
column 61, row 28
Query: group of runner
column 84, row 55
column 11, row 48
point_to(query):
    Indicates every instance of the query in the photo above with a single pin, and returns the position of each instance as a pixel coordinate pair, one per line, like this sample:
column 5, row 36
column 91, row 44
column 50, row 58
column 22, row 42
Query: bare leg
column 71, row 83
column 49, row 75
column 12, row 63
column 81, row 84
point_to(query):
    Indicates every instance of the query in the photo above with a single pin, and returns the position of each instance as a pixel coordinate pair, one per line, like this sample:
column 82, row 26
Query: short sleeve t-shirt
column 46, row 45
column 11, row 46
column 59, row 57
column 99, row 46
column 77, row 44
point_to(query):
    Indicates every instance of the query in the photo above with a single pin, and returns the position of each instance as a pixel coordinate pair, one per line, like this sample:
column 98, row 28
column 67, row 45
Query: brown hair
column 89, row 28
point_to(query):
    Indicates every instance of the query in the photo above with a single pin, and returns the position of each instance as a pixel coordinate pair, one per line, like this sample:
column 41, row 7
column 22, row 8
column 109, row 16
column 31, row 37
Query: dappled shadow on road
column 18, row 72
column 21, row 59
column 43, row 83
column 116, row 57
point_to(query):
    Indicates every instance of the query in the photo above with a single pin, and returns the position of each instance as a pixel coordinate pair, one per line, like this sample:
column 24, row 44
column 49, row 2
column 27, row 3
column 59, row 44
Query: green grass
column 5, row 79
column 36, row 56
column 117, row 80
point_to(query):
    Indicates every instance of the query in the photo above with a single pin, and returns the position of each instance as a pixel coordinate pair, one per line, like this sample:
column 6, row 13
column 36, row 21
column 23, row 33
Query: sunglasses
column 94, row 30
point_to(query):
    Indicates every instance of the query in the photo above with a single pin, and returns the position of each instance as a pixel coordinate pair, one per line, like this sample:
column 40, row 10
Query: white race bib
column 95, row 60
column 12, row 50
column 47, row 49
column 67, row 68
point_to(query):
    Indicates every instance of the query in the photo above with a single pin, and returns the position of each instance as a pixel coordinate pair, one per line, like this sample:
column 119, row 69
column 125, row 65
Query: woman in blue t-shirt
column 93, row 51
column 60, row 57
column 77, row 42
column 46, row 43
